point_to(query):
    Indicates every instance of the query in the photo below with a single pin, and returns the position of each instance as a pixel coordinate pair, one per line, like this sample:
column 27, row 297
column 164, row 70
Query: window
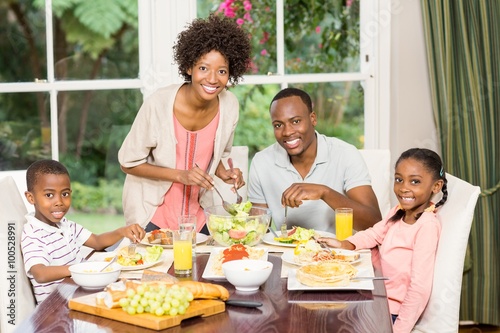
column 73, row 78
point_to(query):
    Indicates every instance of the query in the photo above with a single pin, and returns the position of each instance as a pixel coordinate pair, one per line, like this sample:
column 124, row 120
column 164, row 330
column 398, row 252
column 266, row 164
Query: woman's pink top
column 407, row 255
column 192, row 147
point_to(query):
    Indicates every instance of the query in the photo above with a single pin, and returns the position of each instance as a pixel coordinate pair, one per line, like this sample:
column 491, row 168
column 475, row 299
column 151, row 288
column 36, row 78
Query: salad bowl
column 247, row 227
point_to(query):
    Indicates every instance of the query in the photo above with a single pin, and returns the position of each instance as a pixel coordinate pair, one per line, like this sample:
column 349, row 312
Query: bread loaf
column 202, row 290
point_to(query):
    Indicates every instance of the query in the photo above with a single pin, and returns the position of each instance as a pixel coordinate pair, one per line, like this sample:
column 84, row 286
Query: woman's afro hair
column 218, row 33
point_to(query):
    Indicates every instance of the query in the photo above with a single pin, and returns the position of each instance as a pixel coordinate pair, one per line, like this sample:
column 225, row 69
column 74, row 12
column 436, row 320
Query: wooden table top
column 282, row 310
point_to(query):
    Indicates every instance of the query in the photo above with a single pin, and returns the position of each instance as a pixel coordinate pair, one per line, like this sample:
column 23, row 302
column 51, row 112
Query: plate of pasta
column 218, row 255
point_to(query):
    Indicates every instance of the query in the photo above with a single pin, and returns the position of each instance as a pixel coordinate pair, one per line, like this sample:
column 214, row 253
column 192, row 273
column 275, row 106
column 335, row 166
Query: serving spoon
column 227, row 206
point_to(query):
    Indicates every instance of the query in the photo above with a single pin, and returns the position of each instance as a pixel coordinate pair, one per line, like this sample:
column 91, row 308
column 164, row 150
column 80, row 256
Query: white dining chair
column 17, row 301
column 378, row 162
column 441, row 314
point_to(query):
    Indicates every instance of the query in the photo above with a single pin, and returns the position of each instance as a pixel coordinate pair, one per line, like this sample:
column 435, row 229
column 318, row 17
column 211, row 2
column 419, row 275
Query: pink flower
column 265, row 38
column 320, row 45
column 248, row 17
column 229, row 12
column 240, row 21
column 318, row 29
column 263, row 52
column 247, row 5
column 348, row 3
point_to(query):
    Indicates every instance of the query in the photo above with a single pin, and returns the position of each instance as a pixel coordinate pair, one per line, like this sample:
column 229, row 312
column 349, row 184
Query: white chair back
column 239, row 154
column 17, row 301
column 378, row 162
column 441, row 314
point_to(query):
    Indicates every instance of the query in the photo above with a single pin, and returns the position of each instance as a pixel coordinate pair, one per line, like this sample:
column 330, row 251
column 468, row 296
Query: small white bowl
column 247, row 274
column 87, row 275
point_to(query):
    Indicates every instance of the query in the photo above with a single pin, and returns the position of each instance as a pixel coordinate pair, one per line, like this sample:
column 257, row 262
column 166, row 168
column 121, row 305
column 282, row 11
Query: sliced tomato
column 140, row 262
column 291, row 232
column 237, row 234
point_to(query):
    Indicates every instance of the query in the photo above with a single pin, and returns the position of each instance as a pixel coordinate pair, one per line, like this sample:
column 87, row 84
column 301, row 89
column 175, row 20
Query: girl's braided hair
column 432, row 162
column 214, row 33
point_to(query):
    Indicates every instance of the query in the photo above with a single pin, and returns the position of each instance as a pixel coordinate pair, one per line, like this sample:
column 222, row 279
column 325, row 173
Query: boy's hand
column 135, row 233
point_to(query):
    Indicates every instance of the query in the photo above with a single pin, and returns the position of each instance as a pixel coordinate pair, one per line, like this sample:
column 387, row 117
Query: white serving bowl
column 247, row 274
column 247, row 229
column 87, row 275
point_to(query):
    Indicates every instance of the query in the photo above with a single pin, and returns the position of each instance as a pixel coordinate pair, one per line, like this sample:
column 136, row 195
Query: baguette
column 202, row 290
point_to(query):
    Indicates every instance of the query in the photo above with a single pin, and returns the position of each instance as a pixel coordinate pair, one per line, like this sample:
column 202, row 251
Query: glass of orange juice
column 343, row 223
column 183, row 252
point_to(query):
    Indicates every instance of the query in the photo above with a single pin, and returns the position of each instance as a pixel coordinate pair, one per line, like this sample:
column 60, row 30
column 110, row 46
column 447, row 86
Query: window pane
column 339, row 107
column 254, row 127
column 102, row 44
column 24, row 130
column 259, row 19
column 98, row 45
column 90, row 128
column 22, row 47
column 321, row 36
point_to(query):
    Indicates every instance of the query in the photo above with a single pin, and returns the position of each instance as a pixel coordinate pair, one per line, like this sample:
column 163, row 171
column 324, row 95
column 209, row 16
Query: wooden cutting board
column 201, row 308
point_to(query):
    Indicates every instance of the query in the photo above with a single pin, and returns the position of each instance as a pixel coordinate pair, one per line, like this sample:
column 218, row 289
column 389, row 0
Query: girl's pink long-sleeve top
column 407, row 254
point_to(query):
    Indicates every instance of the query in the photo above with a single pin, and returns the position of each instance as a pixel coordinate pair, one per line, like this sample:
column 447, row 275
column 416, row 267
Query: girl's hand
column 331, row 242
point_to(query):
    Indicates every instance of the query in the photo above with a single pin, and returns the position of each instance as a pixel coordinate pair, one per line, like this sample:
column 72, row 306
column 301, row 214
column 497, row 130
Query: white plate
column 102, row 256
column 269, row 238
column 288, row 257
column 200, row 238
column 365, row 268
column 210, row 274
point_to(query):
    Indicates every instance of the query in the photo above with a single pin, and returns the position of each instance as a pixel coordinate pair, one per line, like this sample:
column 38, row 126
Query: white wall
column 412, row 120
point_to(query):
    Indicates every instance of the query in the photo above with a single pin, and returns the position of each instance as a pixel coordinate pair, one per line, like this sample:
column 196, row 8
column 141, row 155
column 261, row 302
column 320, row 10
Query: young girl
column 408, row 236
column 50, row 242
column 184, row 125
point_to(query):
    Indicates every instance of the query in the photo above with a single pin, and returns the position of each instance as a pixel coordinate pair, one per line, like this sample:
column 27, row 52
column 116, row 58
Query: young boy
column 50, row 242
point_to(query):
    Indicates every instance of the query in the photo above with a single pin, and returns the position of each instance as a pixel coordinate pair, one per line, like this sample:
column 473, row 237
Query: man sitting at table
column 50, row 242
column 309, row 172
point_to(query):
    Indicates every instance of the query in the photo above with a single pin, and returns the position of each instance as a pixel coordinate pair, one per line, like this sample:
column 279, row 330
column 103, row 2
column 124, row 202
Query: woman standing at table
column 184, row 125
column 408, row 237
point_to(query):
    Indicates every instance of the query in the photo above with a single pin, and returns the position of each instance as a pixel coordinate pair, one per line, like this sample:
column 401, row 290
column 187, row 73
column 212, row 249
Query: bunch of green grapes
column 161, row 300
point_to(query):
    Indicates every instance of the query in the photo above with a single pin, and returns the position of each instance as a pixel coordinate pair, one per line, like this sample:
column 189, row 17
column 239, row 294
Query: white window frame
column 161, row 20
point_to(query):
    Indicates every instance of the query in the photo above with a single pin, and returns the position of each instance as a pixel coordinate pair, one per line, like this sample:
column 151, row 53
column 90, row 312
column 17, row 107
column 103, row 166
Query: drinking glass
column 183, row 252
column 188, row 223
column 343, row 223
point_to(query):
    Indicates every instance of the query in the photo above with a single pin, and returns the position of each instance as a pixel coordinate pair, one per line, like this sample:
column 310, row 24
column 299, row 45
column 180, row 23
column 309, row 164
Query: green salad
column 240, row 228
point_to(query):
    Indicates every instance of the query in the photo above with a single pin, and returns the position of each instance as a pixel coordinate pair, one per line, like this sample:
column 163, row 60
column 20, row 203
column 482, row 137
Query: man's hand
column 295, row 194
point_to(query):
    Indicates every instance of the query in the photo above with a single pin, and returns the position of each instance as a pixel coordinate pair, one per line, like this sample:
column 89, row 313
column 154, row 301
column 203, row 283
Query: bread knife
column 243, row 303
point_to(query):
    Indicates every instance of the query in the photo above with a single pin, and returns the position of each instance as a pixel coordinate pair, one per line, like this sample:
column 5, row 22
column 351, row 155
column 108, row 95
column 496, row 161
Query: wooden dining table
column 282, row 310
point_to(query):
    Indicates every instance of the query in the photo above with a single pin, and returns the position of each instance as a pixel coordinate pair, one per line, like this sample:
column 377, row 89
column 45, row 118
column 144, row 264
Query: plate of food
column 298, row 259
column 331, row 275
column 218, row 255
column 163, row 238
column 142, row 258
column 295, row 236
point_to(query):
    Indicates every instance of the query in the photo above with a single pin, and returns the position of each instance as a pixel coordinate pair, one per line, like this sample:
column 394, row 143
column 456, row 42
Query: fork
column 284, row 229
column 239, row 199
column 131, row 249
